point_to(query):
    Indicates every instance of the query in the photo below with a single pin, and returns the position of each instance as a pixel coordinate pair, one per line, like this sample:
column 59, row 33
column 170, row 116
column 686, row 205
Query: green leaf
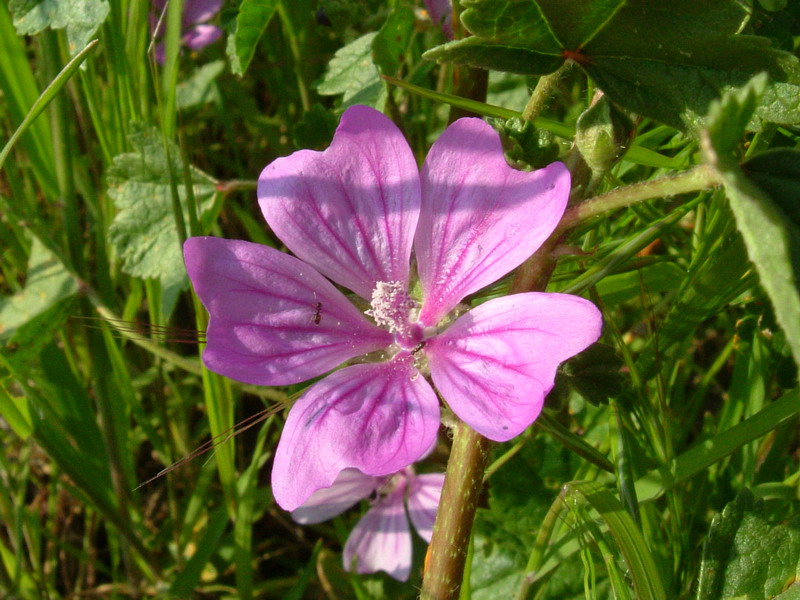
column 525, row 145
column 389, row 46
column 577, row 22
column 747, row 556
column 651, row 279
column 81, row 18
column 201, row 87
column 188, row 578
column 647, row 28
column 772, row 240
column 476, row 52
column 636, row 154
column 16, row 411
column 505, row 530
column 143, row 231
column 602, row 133
column 678, row 89
column 352, row 73
column 666, row 61
column 48, row 282
column 46, row 97
column 510, row 23
column 642, row 569
column 595, row 373
column 710, row 451
column 252, row 20
column 315, row 128
column 777, row 172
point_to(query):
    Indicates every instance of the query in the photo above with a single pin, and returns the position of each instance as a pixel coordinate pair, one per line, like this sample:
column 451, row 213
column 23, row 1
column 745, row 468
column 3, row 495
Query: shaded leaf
column 476, row 52
column 48, row 283
column 577, row 22
column 772, row 241
column 81, row 18
column 525, row 145
column 201, row 87
column 252, row 20
column 504, row 532
column 777, row 172
column 314, row 129
column 679, row 90
column 510, row 23
column 666, row 61
column 651, row 279
column 389, row 46
column 747, row 556
column 594, row 373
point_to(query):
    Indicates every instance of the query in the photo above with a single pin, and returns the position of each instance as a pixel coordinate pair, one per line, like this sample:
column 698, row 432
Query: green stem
column 542, row 92
column 297, row 55
column 451, row 533
column 699, row 178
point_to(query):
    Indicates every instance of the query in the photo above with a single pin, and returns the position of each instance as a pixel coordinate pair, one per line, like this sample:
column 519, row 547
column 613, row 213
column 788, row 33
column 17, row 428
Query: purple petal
column 199, row 11
column 377, row 418
column 480, row 218
column 423, row 502
column 350, row 487
column 351, row 210
column 200, row 36
column 381, row 541
column 273, row 319
column 495, row 364
column 441, row 13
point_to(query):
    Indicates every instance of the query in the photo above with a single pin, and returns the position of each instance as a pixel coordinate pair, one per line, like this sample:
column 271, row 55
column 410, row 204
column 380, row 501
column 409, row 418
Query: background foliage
column 666, row 462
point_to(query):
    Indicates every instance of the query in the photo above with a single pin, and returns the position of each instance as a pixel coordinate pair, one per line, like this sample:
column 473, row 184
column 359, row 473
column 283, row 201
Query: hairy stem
column 699, row 178
column 542, row 92
column 444, row 565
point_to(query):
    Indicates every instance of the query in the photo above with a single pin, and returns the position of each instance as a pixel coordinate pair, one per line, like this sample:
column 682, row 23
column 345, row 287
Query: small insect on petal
column 317, row 313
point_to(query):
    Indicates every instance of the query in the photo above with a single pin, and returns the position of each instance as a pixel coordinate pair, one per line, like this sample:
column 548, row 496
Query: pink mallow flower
column 352, row 214
column 381, row 541
column 196, row 32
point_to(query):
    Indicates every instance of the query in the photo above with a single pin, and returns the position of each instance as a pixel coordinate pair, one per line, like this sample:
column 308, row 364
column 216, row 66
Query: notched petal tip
column 495, row 365
column 350, row 211
column 480, row 218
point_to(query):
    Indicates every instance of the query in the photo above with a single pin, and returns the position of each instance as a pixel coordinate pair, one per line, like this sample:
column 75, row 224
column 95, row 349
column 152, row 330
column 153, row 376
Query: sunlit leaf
column 81, row 18
column 252, row 20
column 746, row 556
column 143, row 231
column 352, row 73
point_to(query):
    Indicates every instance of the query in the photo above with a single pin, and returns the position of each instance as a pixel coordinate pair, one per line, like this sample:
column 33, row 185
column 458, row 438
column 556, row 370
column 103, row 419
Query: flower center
column 391, row 305
column 391, row 308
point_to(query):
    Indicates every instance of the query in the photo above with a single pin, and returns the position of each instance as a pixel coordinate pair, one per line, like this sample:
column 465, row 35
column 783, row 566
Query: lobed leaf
column 81, row 18
column 143, row 231
column 666, row 61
